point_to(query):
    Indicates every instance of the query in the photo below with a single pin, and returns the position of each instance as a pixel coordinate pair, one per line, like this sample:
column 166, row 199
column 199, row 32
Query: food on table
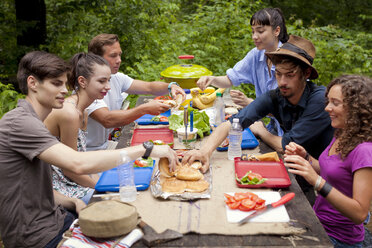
column 249, row 157
column 196, row 165
column 181, row 152
column 203, row 101
column 141, row 162
column 245, row 201
column 188, row 140
column 188, row 176
column 188, row 173
column 231, row 111
column 201, row 122
column 270, row 156
column 166, row 97
column 197, row 186
column 164, row 168
column 160, row 142
column 185, row 172
column 179, row 101
column 206, row 91
column 159, row 118
column 170, row 103
column 250, row 178
column 225, row 143
column 173, row 185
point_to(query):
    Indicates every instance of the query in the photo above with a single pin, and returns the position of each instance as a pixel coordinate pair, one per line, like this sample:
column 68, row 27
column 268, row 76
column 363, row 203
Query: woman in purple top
column 342, row 176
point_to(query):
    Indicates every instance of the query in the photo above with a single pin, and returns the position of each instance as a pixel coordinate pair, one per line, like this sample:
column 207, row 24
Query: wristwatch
column 170, row 86
column 148, row 145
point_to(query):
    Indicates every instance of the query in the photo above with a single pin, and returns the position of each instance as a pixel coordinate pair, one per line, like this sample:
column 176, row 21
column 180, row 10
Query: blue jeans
column 339, row 244
column 69, row 218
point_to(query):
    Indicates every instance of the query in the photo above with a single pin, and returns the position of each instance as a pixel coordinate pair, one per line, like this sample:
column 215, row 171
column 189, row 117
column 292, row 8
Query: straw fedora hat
column 298, row 48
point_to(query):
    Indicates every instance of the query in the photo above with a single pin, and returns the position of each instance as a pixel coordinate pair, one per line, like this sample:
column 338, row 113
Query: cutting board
column 275, row 172
column 278, row 214
column 109, row 180
column 142, row 135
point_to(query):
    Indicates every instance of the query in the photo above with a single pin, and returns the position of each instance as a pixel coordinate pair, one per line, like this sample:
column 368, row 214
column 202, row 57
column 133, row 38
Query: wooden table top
column 302, row 214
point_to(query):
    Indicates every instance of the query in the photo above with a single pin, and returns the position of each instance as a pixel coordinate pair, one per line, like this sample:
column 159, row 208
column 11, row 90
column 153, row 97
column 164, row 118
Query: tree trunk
column 31, row 22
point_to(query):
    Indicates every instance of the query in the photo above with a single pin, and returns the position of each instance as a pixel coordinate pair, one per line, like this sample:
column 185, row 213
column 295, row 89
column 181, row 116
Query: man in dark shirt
column 297, row 104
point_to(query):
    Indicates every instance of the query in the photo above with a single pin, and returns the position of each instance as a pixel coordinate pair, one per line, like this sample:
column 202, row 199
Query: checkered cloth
column 74, row 238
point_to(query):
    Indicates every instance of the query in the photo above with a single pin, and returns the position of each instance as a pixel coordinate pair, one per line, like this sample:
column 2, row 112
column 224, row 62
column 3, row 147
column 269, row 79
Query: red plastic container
column 141, row 135
column 275, row 172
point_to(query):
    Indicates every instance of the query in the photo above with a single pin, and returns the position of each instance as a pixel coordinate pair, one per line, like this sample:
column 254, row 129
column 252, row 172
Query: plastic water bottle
column 219, row 110
column 226, row 95
column 128, row 190
column 235, row 140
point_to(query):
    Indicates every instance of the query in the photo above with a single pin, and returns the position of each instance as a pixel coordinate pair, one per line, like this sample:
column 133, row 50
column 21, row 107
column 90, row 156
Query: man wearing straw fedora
column 298, row 104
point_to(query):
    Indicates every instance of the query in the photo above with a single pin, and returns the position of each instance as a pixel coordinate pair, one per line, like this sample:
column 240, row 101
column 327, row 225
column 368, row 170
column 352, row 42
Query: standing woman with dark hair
column 89, row 79
column 268, row 33
column 342, row 176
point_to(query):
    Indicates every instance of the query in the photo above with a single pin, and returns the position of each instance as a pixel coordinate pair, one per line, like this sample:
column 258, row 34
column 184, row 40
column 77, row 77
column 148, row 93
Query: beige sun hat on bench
column 106, row 219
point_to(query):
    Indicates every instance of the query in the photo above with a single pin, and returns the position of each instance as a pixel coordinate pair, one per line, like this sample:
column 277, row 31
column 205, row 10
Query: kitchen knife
column 286, row 198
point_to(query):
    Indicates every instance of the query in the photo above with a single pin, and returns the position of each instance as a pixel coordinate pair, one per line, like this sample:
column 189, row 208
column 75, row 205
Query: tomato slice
column 254, row 197
column 248, row 204
column 234, row 205
column 163, row 98
column 163, row 119
column 139, row 163
column 242, row 208
column 229, row 198
column 259, row 206
column 253, row 175
column 240, row 196
column 260, row 201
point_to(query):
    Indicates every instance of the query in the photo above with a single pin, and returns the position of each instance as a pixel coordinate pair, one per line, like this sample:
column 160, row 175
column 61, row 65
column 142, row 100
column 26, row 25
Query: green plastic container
column 186, row 75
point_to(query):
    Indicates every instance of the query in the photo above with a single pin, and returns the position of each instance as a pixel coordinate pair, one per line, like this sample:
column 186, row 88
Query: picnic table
column 299, row 210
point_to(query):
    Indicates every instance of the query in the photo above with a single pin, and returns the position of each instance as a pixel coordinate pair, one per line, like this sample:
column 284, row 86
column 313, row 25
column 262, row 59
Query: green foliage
column 8, row 98
column 338, row 51
column 356, row 14
column 8, row 41
column 71, row 24
column 153, row 33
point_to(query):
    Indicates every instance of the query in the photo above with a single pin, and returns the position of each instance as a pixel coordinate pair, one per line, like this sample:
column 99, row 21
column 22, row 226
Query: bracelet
column 170, row 86
column 317, row 183
column 325, row 190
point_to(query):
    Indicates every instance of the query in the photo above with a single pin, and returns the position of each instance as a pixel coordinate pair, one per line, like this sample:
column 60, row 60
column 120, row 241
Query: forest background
column 154, row 32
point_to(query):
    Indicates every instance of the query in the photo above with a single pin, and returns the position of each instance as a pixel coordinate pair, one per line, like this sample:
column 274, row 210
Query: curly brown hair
column 357, row 93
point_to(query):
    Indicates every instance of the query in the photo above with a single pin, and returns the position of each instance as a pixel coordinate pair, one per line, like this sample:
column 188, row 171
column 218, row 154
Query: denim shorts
column 339, row 244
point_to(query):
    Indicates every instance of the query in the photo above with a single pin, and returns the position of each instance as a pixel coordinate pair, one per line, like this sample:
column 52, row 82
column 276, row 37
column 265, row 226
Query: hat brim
column 285, row 52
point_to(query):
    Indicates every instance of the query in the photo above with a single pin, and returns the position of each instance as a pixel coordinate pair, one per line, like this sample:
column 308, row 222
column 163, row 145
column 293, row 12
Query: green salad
column 141, row 162
column 201, row 122
column 250, row 178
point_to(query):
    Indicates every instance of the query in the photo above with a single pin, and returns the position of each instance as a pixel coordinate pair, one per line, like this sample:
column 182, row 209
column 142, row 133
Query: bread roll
column 197, row 186
column 188, row 173
column 164, row 168
column 270, row 156
column 173, row 185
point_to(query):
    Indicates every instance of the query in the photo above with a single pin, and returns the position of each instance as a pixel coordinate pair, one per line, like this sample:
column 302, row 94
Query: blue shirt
column 253, row 69
column 306, row 123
